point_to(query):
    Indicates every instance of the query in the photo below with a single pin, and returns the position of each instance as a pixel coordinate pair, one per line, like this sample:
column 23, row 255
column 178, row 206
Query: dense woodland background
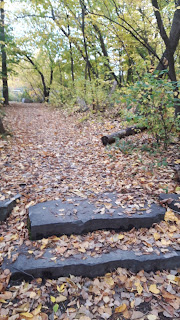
column 96, row 54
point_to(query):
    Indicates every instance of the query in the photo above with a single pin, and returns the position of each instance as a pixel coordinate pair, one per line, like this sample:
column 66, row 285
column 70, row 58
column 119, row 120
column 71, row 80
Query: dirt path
column 51, row 154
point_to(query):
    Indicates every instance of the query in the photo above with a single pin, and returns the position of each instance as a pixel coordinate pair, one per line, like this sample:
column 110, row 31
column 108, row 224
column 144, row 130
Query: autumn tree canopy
column 78, row 49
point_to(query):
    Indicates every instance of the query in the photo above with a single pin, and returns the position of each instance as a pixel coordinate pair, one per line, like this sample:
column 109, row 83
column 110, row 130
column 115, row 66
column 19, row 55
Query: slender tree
column 171, row 43
column 46, row 88
column 3, row 56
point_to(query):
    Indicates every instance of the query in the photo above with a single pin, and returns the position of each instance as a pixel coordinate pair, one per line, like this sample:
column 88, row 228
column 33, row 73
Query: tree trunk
column 74, row 42
column 71, row 54
column 3, row 56
column 121, row 134
column 105, row 53
column 171, row 43
column 84, row 37
column 2, row 130
column 46, row 90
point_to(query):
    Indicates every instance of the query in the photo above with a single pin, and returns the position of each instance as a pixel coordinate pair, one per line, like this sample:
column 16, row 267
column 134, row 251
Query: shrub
column 154, row 100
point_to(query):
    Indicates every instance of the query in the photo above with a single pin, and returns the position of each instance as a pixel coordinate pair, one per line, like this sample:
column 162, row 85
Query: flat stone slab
column 87, row 266
column 78, row 216
column 172, row 200
column 6, row 207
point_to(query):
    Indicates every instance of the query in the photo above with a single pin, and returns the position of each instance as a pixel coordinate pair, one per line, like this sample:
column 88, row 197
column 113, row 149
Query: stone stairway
column 77, row 215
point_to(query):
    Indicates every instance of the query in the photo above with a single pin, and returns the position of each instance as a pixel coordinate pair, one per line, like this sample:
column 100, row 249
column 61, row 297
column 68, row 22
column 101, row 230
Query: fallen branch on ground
column 121, row 134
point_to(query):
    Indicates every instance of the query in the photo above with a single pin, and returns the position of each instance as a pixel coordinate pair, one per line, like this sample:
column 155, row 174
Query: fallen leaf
column 53, row 299
column 121, row 308
column 152, row 317
column 26, row 315
column 137, row 315
column 168, row 295
column 154, row 289
column 60, row 298
column 36, row 311
column 156, row 236
column 61, row 288
column 139, row 288
column 170, row 216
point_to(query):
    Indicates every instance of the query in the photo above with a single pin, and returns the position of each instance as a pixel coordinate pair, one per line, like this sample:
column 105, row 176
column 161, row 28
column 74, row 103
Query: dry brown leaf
column 137, row 315
column 6, row 295
column 60, row 298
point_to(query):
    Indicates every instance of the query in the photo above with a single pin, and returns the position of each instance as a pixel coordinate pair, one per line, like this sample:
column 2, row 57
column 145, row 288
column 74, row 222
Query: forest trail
column 51, row 153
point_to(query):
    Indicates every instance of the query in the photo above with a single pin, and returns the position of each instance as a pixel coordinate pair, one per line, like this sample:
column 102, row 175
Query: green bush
column 153, row 100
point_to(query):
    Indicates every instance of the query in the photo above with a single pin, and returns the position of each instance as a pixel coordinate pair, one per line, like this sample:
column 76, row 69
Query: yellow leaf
column 53, row 299
column 109, row 281
column 177, row 279
column 156, row 236
column 3, row 301
column 43, row 246
column 32, row 295
column 177, row 161
column 45, row 241
column 121, row 236
column 1, row 238
column 139, row 288
column 61, row 288
column 165, row 242
column 26, row 314
column 170, row 216
column 171, row 277
column 177, row 190
column 121, row 308
column 82, row 250
column 30, row 251
column 39, row 280
column 37, row 310
column 154, row 289
column 108, row 205
column 132, row 304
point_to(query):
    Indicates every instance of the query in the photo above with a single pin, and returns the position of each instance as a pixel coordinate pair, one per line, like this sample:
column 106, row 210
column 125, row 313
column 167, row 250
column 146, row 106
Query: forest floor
column 51, row 154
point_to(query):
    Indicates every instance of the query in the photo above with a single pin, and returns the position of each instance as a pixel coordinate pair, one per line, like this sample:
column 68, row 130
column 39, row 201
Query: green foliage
column 55, row 308
column 126, row 147
column 152, row 100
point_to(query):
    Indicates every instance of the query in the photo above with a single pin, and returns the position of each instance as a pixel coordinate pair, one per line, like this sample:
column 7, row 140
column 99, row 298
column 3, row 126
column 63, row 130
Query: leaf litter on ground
column 52, row 155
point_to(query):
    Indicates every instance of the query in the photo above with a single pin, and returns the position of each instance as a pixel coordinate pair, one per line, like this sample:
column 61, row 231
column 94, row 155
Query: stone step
column 78, row 216
column 6, row 206
column 172, row 200
column 84, row 265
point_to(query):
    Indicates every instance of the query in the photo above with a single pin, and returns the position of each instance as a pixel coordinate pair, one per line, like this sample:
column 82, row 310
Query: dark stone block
column 88, row 266
column 166, row 198
column 80, row 216
column 6, row 207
